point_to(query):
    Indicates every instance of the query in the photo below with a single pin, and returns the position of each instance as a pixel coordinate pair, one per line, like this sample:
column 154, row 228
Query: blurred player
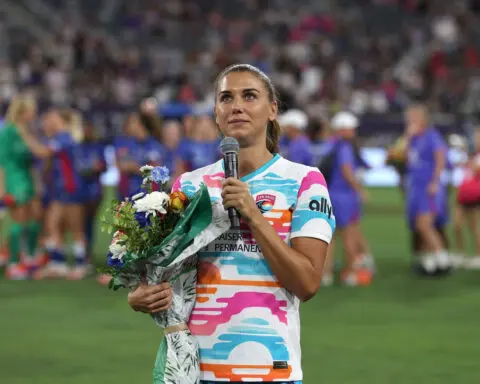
column 133, row 150
column 424, row 192
column 172, row 157
column 92, row 164
column 3, row 213
column 201, row 148
column 347, row 194
column 65, row 213
column 16, row 161
column 297, row 147
column 467, row 208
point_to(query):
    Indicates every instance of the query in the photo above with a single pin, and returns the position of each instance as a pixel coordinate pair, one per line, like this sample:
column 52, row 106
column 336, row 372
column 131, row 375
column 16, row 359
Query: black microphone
column 229, row 148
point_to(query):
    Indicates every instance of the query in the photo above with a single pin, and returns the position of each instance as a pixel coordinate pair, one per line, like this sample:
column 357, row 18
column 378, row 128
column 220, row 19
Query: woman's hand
column 236, row 194
column 151, row 298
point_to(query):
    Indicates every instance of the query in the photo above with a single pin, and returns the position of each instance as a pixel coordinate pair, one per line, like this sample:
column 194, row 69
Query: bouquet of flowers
column 397, row 155
column 156, row 238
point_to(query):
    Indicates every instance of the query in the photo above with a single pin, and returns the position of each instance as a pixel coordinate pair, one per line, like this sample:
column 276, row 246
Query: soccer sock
column 79, row 252
column 15, row 242
column 55, row 252
column 33, row 232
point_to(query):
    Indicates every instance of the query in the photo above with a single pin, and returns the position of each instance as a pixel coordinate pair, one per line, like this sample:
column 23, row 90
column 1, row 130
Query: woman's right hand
column 151, row 298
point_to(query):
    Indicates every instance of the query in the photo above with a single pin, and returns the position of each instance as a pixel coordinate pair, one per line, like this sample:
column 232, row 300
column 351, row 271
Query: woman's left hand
column 236, row 194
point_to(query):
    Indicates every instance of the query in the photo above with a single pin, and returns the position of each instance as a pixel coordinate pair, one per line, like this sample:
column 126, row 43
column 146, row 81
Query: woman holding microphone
column 250, row 283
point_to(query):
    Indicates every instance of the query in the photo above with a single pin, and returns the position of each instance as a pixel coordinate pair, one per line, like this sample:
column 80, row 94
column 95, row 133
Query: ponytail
column 273, row 136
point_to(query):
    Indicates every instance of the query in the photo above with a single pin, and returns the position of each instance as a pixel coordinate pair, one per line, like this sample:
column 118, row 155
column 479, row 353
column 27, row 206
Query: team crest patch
column 265, row 202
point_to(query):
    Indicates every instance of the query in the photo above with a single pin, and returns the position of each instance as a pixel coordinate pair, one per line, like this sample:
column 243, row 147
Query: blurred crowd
column 368, row 56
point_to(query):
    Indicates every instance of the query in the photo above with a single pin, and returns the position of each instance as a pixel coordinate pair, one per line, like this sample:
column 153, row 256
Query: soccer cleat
column 79, row 272
column 473, row 263
column 104, row 279
column 458, row 260
column 52, row 271
column 428, row 264
column 327, row 280
column 359, row 277
column 17, row 272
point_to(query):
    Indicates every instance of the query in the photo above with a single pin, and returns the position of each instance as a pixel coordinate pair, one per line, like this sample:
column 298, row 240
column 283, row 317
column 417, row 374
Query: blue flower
column 114, row 263
column 142, row 219
column 160, row 175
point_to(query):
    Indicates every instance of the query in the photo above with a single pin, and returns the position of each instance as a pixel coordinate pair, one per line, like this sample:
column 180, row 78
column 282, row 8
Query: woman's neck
column 252, row 158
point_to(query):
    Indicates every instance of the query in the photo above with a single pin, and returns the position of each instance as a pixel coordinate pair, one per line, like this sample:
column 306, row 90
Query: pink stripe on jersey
column 176, row 185
column 312, row 177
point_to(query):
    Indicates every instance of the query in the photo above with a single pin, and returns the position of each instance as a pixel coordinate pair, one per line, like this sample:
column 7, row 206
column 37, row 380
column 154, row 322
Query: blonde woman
column 66, row 211
column 16, row 160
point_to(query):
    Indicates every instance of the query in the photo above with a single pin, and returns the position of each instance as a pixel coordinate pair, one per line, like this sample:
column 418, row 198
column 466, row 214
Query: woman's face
column 135, row 128
column 172, row 134
column 243, row 108
column 205, row 129
column 52, row 123
column 415, row 121
column 30, row 114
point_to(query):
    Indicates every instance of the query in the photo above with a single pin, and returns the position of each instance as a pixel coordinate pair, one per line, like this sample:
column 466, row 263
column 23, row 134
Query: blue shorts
column 46, row 199
column 420, row 202
column 77, row 197
column 347, row 208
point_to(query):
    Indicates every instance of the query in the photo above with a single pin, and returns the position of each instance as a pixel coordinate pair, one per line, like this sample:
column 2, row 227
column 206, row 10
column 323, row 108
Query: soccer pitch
column 402, row 329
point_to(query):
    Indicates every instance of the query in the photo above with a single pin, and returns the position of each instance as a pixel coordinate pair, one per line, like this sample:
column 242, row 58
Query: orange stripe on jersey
column 225, row 371
column 206, row 290
column 243, row 283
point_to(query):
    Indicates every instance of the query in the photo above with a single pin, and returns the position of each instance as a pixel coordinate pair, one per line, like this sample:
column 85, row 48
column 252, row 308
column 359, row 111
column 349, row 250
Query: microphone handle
column 231, row 170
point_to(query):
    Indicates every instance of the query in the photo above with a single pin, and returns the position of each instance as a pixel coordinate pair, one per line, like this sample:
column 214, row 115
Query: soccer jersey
column 246, row 323
column 421, row 157
column 67, row 183
column 16, row 161
column 148, row 151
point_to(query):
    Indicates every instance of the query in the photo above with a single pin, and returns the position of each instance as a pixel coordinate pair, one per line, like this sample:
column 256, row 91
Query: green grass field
column 402, row 329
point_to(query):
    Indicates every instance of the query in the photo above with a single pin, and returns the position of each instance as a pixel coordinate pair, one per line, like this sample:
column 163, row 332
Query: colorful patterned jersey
column 247, row 324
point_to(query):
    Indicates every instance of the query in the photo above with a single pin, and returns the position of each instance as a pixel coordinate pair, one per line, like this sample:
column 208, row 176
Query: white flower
column 153, row 202
column 146, row 179
column 137, row 196
column 117, row 250
column 146, row 168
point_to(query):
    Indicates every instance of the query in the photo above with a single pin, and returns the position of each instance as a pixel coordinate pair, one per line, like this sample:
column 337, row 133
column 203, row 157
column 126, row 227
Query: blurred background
column 112, row 61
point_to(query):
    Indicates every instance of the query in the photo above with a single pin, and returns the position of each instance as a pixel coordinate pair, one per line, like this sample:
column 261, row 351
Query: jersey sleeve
column 346, row 155
column 313, row 214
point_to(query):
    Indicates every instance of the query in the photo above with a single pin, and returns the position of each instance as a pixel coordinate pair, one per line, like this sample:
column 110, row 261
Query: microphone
column 229, row 148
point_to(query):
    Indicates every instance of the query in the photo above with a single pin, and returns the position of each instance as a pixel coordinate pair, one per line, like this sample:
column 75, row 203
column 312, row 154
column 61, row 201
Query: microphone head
column 229, row 145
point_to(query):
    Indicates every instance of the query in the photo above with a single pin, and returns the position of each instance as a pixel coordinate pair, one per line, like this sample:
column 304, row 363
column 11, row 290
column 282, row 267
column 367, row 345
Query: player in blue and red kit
column 65, row 213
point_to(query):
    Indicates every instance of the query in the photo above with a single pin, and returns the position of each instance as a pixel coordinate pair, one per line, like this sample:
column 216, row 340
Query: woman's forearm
column 37, row 148
column 293, row 270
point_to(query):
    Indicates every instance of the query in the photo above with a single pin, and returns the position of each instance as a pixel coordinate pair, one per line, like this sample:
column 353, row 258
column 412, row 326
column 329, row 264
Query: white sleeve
column 313, row 215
